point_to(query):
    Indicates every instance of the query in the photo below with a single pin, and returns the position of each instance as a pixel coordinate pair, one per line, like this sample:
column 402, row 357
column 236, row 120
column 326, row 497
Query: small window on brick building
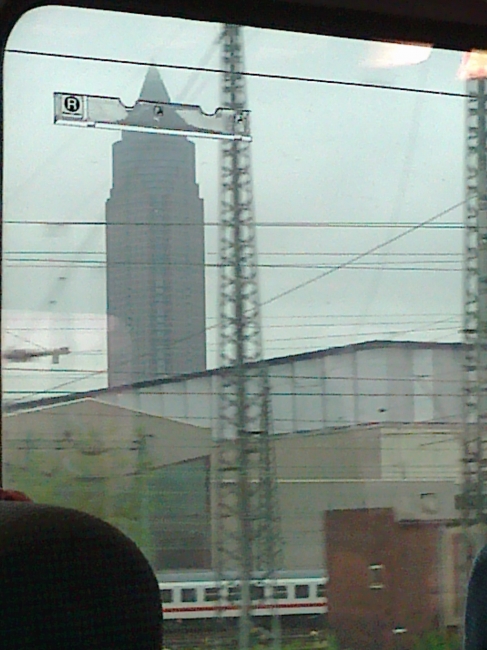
column 429, row 503
column 376, row 576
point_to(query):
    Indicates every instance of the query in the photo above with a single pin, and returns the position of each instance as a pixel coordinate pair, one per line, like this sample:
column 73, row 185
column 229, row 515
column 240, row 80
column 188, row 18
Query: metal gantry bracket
column 472, row 502
column 71, row 109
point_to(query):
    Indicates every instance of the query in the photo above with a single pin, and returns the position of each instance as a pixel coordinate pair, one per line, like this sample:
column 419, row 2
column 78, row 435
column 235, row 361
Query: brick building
column 390, row 580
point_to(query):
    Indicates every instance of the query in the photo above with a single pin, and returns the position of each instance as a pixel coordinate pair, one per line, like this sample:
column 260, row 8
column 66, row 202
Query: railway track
column 313, row 640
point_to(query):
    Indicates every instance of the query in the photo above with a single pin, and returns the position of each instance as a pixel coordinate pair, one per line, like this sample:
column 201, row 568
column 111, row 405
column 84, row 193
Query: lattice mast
column 473, row 501
column 246, row 538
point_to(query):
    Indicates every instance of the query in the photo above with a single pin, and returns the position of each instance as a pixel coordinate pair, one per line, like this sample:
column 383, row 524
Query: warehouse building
column 367, row 447
column 379, row 382
column 138, row 463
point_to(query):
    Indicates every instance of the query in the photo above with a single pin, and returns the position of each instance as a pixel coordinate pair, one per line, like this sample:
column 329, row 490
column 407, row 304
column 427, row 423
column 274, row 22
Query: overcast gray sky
column 329, row 155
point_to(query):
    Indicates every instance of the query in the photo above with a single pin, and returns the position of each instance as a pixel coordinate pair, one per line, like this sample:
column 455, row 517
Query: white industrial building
column 375, row 382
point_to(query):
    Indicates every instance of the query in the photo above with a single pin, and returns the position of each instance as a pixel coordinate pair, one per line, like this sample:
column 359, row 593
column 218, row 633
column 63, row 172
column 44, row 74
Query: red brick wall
column 364, row 618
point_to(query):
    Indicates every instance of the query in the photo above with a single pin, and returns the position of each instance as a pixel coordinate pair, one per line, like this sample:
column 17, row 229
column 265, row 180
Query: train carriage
column 201, row 599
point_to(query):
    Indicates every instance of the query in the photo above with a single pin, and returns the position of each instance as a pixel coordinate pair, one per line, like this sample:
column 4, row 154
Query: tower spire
column 153, row 88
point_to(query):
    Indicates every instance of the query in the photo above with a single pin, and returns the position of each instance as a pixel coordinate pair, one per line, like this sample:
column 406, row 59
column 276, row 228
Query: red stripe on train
column 210, row 608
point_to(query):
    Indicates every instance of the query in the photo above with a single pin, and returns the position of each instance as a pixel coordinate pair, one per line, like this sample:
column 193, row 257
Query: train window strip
column 166, row 595
column 301, row 591
column 280, row 592
column 188, row 595
column 212, row 594
column 234, row 594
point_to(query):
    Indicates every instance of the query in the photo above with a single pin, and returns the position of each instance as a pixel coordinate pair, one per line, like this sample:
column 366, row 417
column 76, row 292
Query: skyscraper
column 155, row 255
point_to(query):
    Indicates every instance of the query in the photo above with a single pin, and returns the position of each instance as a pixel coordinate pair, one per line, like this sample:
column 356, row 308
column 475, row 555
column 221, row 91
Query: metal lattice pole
column 246, row 524
column 473, row 503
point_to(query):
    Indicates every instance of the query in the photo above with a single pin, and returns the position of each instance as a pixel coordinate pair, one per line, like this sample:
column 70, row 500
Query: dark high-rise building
column 155, row 255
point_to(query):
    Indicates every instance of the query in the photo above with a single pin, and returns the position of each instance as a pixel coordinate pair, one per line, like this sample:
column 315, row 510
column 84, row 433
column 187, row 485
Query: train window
column 321, row 590
column 257, row 592
column 188, row 595
column 234, row 594
column 280, row 592
column 301, row 591
column 212, row 594
column 120, row 311
column 166, row 595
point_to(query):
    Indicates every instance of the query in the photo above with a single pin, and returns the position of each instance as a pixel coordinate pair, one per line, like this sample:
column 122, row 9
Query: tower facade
column 155, row 255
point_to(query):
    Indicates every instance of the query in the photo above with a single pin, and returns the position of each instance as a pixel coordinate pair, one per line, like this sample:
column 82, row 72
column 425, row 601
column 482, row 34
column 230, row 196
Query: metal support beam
column 246, row 535
column 473, row 500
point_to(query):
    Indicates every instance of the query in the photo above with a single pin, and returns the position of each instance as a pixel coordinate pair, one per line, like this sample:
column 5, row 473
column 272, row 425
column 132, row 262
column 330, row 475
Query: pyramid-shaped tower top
column 153, row 88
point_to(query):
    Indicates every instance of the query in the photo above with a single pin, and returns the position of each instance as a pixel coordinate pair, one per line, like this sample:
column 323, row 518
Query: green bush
column 438, row 640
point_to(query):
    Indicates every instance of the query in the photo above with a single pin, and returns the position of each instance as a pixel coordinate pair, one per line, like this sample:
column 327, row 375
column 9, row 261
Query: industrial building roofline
column 275, row 361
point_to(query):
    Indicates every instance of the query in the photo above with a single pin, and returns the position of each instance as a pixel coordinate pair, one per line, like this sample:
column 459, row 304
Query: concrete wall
column 302, row 504
column 414, row 452
column 391, row 452
column 89, row 423
column 354, row 454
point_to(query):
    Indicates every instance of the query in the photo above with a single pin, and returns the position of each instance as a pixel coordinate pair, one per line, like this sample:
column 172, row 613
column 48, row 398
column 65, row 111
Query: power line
column 360, row 256
column 202, row 64
column 77, row 317
column 66, row 264
column 261, row 253
column 334, row 269
column 454, row 225
column 271, row 326
column 319, row 380
column 251, row 75
column 398, row 202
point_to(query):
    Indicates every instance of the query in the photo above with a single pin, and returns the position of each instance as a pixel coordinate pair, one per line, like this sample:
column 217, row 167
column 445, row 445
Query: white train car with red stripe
column 200, row 598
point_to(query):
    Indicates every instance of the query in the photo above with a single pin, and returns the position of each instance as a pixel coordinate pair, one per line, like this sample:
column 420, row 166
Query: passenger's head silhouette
column 70, row 580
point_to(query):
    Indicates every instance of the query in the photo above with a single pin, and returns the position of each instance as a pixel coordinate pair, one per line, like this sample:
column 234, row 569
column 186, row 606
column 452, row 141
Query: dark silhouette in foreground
column 70, row 580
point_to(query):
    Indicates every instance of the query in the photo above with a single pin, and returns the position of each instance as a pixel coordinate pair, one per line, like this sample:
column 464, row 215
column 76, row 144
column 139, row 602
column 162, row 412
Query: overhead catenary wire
column 318, row 379
column 398, row 200
column 360, row 256
column 439, row 254
column 272, row 326
column 26, row 316
column 248, row 73
column 324, row 274
column 66, row 264
column 259, row 224
column 343, row 265
column 317, row 382
column 430, row 327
